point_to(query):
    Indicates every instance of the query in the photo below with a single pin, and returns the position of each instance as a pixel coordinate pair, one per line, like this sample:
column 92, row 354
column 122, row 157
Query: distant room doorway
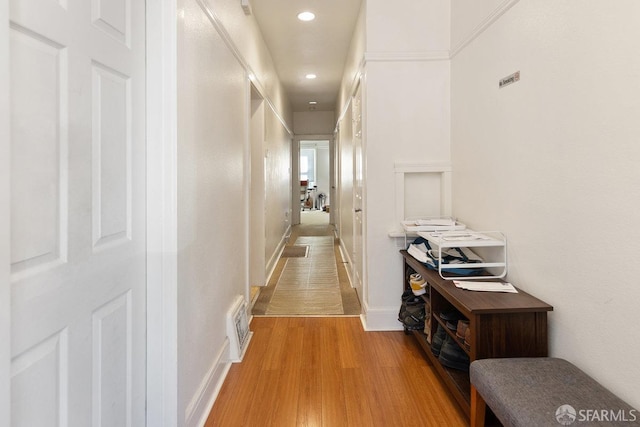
column 314, row 162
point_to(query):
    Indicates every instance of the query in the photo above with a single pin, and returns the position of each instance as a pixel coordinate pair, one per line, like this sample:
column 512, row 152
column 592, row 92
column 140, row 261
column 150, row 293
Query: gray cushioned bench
column 538, row 391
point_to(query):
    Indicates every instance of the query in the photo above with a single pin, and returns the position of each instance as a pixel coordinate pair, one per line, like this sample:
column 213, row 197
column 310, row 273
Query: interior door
column 257, row 229
column 358, row 202
column 77, row 212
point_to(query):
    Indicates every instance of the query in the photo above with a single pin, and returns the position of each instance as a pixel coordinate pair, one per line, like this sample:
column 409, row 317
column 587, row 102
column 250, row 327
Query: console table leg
column 478, row 408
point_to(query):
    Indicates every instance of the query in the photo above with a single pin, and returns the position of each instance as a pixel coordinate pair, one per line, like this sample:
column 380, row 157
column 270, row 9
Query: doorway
column 314, row 167
column 256, row 190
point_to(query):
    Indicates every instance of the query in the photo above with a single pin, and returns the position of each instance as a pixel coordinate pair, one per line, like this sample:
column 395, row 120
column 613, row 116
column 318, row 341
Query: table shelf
column 501, row 324
column 443, row 240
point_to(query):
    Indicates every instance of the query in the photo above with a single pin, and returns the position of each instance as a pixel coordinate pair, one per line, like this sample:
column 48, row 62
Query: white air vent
column 238, row 329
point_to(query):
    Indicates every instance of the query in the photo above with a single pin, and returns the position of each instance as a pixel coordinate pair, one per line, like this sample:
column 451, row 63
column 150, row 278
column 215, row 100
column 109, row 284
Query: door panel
column 358, row 177
column 5, row 260
column 257, row 210
column 77, row 213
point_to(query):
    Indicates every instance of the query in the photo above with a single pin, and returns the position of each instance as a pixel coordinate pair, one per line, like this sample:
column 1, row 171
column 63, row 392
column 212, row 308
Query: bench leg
column 478, row 408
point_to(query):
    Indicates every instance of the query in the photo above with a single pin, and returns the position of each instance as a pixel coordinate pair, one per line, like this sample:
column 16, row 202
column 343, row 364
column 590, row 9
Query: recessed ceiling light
column 306, row 16
column 313, row 102
column 311, row 76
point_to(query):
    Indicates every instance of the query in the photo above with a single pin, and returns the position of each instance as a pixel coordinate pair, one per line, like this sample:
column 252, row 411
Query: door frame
column 162, row 241
column 5, row 210
column 359, row 178
column 255, row 188
column 295, row 172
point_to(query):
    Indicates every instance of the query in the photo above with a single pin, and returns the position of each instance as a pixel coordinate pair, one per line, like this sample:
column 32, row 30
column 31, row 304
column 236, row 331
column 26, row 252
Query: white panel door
column 257, row 211
column 358, row 202
column 77, row 212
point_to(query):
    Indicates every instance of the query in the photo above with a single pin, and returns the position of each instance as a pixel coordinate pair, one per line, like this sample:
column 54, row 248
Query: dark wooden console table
column 501, row 324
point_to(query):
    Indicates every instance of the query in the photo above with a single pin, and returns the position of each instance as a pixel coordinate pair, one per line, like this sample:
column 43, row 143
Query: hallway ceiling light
column 296, row 45
column 311, row 76
column 306, row 16
column 313, row 102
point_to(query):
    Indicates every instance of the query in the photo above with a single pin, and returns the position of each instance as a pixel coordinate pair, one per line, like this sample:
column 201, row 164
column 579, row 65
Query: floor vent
column 238, row 329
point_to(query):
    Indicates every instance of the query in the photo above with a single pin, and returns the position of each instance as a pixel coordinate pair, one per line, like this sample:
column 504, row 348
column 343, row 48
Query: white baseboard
column 271, row 265
column 381, row 319
column 198, row 410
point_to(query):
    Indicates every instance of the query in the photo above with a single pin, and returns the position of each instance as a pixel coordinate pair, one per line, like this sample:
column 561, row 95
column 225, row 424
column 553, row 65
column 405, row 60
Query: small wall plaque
column 515, row 77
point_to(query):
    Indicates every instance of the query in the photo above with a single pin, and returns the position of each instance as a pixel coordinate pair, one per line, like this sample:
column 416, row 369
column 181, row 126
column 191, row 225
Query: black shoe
column 414, row 316
column 452, row 356
column 451, row 319
column 438, row 340
column 411, row 306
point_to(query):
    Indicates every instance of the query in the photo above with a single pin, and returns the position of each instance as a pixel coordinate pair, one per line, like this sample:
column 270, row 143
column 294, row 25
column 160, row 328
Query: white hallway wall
column 218, row 47
column 544, row 160
column 553, row 162
column 313, row 123
column 581, row 293
column 242, row 32
column 401, row 49
column 342, row 207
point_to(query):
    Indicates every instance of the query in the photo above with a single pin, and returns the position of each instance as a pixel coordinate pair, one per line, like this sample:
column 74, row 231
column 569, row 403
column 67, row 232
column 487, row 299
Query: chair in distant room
column 304, row 193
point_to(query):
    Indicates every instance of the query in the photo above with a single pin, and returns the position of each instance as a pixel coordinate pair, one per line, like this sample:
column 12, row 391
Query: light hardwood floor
column 327, row 371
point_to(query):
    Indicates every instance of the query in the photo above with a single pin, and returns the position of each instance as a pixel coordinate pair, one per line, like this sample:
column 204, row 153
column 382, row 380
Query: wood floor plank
column 272, row 354
column 239, row 386
column 352, row 349
column 330, row 372
column 288, row 384
column 287, row 390
column 309, row 411
column 357, row 403
column 312, row 343
column 334, row 410
column 260, row 409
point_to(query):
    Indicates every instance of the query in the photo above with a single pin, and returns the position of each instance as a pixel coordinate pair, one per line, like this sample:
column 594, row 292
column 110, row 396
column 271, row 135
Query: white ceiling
column 299, row 48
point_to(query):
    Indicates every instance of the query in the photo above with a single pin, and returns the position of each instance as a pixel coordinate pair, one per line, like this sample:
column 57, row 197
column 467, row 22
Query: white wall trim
column 442, row 170
column 224, row 34
column 273, row 261
column 5, row 248
column 295, row 187
column 364, row 283
column 484, row 25
column 421, row 167
column 201, row 403
column 162, row 310
column 352, row 90
column 246, row 188
column 436, row 55
column 439, row 55
column 344, row 253
column 313, row 137
column 381, row 318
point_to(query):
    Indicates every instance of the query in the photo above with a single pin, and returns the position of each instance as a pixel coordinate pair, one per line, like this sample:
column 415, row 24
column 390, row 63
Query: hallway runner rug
column 309, row 286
